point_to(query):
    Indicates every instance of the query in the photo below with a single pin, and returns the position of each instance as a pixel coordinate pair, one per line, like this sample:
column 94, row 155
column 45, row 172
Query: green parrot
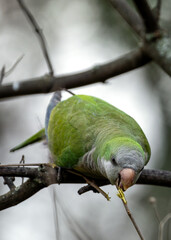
column 95, row 138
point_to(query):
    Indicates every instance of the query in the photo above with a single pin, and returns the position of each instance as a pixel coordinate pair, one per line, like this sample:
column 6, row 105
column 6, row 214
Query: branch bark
column 156, row 44
column 146, row 13
column 99, row 73
column 130, row 16
column 45, row 175
column 160, row 51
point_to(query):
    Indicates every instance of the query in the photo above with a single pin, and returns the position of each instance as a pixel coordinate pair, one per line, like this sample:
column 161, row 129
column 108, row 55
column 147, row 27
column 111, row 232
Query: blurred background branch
column 99, row 73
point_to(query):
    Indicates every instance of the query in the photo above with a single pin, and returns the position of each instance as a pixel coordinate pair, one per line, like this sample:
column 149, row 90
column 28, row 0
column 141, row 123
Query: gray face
column 125, row 158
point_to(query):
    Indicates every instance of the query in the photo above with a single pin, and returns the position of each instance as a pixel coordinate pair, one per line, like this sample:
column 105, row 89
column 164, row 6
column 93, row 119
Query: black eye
column 113, row 160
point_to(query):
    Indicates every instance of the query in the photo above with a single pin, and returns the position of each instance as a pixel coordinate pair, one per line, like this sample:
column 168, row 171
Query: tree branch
column 157, row 10
column 99, row 73
column 130, row 16
column 160, row 51
column 39, row 33
column 44, row 176
column 156, row 44
column 9, row 181
column 146, row 13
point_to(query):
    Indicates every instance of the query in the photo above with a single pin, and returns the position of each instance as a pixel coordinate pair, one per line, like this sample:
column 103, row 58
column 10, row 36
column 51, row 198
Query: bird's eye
column 113, row 160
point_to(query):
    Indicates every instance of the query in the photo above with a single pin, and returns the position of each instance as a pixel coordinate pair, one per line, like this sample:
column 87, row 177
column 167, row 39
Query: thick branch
column 129, row 15
column 146, row 13
column 155, row 177
column 44, row 176
column 26, row 190
column 99, row 73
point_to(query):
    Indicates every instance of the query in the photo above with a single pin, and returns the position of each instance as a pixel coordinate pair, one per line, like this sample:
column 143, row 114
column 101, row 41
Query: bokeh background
column 81, row 34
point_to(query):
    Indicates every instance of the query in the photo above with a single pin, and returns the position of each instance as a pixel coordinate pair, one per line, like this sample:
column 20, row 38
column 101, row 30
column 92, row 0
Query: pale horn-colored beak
column 126, row 178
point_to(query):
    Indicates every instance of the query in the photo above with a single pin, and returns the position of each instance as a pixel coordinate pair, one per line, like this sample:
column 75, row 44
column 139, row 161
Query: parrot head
column 126, row 159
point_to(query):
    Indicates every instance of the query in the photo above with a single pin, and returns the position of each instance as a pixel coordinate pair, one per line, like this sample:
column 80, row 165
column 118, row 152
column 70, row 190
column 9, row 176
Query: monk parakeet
column 95, row 138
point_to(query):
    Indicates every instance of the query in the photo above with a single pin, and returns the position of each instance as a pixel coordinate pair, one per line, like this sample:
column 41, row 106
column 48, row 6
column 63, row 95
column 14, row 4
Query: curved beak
column 126, row 178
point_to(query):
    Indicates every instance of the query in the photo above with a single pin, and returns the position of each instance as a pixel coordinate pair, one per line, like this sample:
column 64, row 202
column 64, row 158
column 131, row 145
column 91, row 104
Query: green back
column 82, row 122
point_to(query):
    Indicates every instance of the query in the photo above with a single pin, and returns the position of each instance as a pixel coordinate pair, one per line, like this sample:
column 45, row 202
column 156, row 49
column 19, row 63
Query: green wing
column 33, row 139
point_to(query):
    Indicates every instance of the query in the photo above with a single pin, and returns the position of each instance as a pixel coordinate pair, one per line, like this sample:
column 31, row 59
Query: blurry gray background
column 81, row 34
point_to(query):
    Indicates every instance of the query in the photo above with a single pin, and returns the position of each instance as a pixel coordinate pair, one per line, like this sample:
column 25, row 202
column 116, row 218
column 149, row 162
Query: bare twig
column 9, row 182
column 162, row 224
column 74, row 225
column 86, row 188
column 130, row 16
column 39, row 33
column 121, row 195
column 153, row 201
column 22, row 161
column 100, row 73
column 7, row 73
column 146, row 13
column 91, row 183
column 55, row 213
column 2, row 74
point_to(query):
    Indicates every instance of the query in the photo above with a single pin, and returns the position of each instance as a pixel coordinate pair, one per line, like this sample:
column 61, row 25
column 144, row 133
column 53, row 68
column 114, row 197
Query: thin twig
column 22, row 161
column 153, row 201
column 91, row 183
column 2, row 74
column 39, row 33
column 162, row 225
column 55, row 213
column 74, row 225
column 7, row 73
column 9, row 181
column 86, row 188
column 122, row 197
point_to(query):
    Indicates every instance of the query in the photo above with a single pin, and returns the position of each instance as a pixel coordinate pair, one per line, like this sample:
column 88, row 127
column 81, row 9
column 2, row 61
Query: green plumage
column 81, row 123
column 95, row 138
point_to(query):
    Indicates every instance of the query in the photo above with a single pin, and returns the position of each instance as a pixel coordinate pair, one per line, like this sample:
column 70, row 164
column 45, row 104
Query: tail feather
column 42, row 134
column 35, row 138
